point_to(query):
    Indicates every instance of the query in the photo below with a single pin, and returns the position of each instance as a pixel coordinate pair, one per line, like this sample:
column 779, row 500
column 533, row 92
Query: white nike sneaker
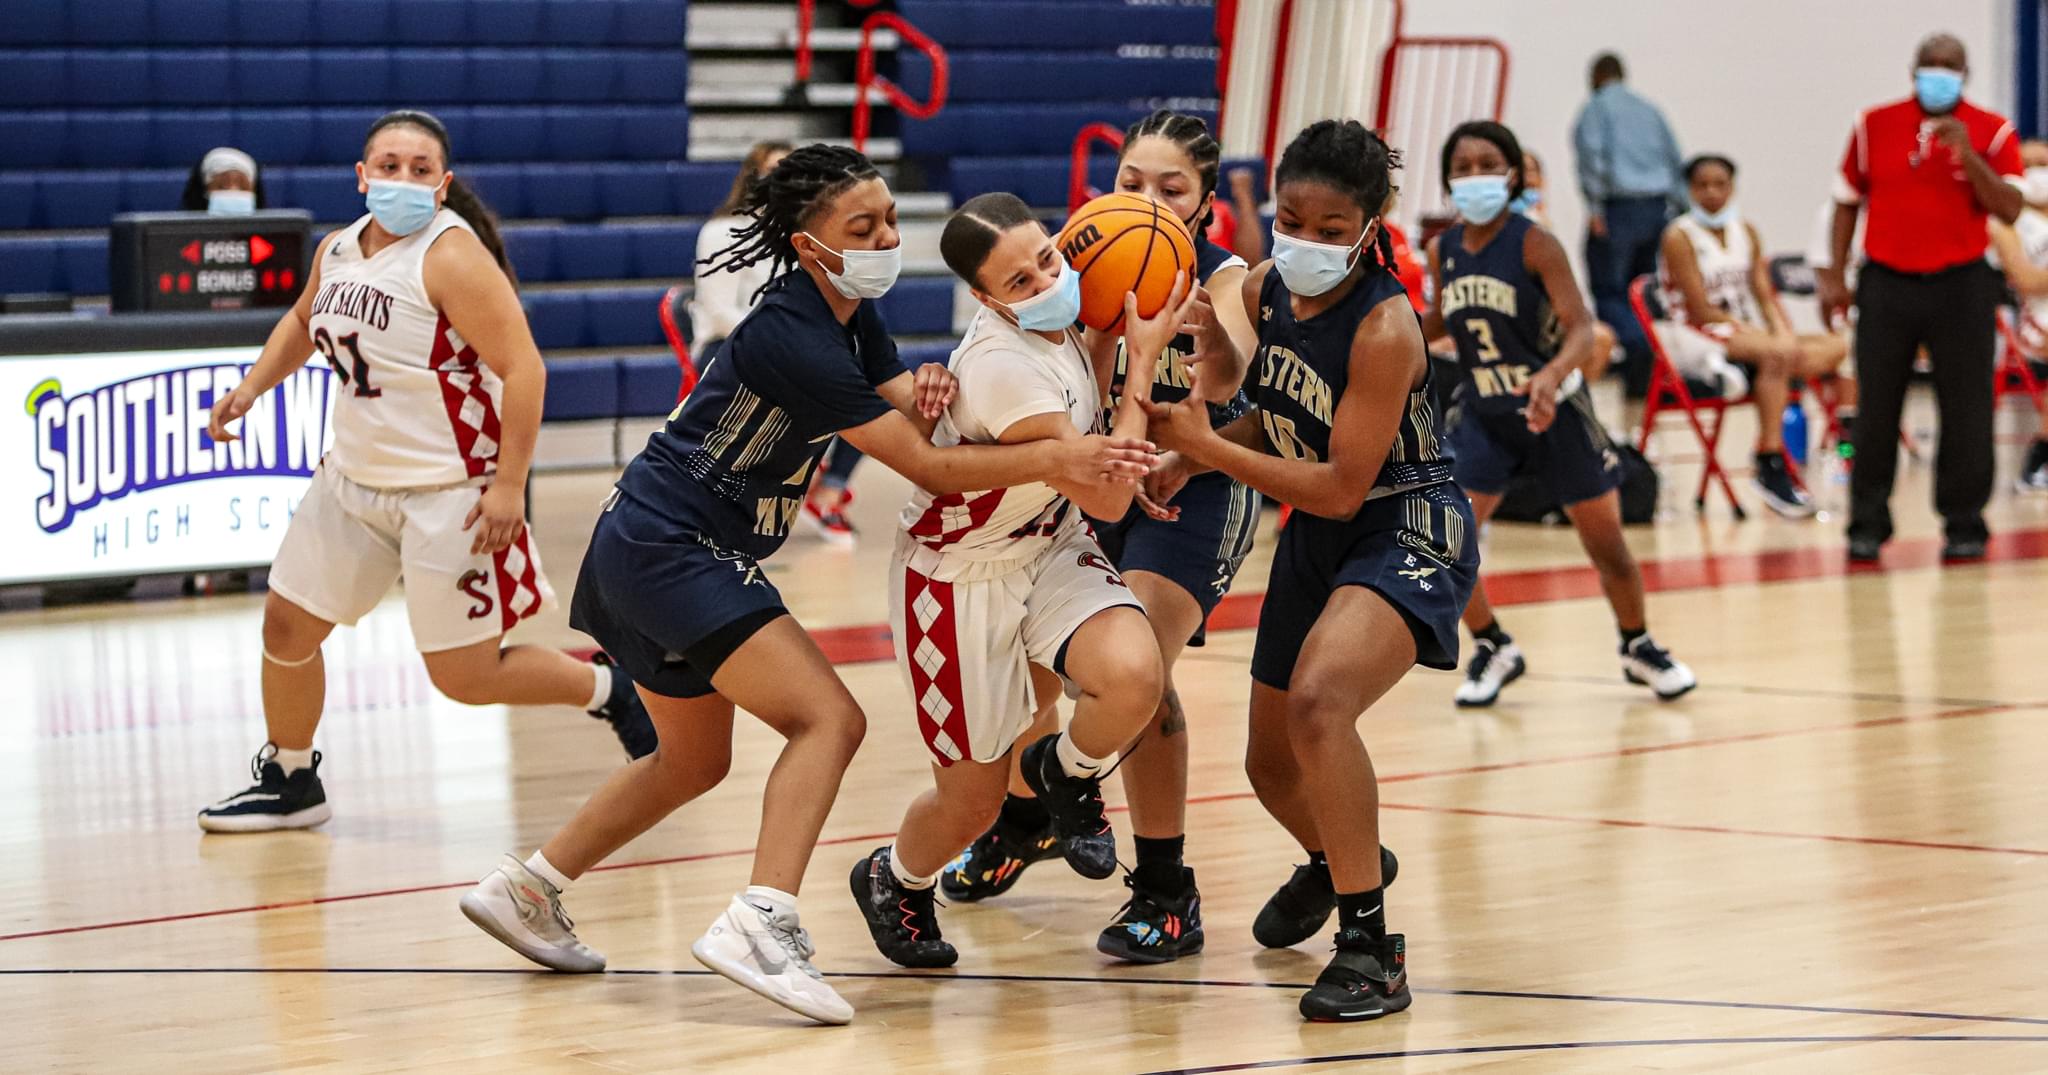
column 1491, row 668
column 1646, row 664
column 524, row 912
column 770, row 954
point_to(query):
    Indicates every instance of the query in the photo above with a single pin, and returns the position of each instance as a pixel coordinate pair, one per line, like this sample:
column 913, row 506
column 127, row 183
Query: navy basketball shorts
column 667, row 601
column 1574, row 458
column 1201, row 551
column 1416, row 549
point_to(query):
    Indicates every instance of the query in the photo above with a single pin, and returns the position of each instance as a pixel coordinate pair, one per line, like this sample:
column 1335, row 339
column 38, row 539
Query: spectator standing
column 1930, row 170
column 1629, row 166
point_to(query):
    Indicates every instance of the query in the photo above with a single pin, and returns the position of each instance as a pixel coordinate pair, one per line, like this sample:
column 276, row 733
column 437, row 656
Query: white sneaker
column 1645, row 664
column 769, row 953
column 1491, row 668
column 525, row 912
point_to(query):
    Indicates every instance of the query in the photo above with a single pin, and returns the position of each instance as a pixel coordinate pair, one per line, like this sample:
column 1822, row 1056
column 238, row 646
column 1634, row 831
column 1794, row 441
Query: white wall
column 1774, row 84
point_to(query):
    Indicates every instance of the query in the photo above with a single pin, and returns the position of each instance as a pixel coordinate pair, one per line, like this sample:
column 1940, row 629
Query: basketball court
column 1829, row 856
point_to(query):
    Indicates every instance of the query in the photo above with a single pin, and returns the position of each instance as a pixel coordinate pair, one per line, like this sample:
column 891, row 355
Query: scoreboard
column 194, row 261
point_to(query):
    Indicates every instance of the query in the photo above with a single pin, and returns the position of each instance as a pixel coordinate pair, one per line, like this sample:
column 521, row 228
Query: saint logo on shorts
column 476, row 584
column 1101, row 563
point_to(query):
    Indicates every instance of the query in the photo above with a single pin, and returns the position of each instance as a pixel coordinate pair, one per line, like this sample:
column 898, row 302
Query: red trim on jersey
column 930, row 529
column 1921, row 213
column 518, row 580
column 461, row 381
column 946, row 678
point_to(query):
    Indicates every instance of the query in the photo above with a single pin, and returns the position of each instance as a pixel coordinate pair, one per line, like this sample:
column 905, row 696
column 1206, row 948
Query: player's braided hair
column 1193, row 137
column 1343, row 155
column 460, row 197
column 1486, row 131
column 785, row 201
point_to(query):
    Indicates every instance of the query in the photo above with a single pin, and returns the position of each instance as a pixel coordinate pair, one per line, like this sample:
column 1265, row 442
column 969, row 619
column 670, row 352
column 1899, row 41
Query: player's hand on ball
column 934, row 387
column 1096, row 458
column 1145, row 338
column 501, row 511
column 1165, row 482
column 226, row 409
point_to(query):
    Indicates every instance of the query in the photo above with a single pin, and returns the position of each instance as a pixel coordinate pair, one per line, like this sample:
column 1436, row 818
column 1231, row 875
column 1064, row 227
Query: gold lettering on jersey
column 1500, row 380
column 359, row 301
column 774, row 515
column 1485, row 292
column 1284, row 371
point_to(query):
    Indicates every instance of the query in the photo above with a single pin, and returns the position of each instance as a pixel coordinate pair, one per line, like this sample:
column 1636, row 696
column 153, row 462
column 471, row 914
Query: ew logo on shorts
column 1100, row 563
column 1417, row 575
column 740, row 562
column 475, row 583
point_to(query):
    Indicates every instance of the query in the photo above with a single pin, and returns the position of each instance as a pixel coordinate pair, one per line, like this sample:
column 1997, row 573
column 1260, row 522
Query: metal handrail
column 865, row 75
column 1077, row 179
column 806, row 14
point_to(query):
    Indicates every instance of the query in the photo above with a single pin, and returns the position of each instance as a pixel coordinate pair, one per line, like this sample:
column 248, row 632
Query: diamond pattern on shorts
column 472, row 417
column 927, row 609
column 935, row 705
column 944, row 744
column 928, row 657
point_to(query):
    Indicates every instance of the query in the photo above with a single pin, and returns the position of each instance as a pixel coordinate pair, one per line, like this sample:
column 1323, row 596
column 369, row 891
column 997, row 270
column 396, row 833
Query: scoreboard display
column 195, row 261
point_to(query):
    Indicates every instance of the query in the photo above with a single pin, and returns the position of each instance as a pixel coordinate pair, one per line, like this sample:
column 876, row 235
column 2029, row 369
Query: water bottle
column 1795, row 432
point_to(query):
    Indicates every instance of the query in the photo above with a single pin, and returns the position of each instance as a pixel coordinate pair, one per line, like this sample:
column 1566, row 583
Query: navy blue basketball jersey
column 1301, row 370
column 736, row 456
column 1170, row 385
column 1498, row 313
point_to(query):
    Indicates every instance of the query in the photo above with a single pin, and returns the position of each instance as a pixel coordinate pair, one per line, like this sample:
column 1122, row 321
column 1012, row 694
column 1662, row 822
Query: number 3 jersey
column 1498, row 314
column 413, row 405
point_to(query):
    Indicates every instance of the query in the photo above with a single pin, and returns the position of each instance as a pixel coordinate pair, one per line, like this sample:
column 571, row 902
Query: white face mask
column 869, row 273
column 230, row 202
column 2035, row 186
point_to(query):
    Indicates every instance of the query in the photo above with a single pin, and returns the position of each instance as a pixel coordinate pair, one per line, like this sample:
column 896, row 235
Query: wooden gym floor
column 1830, row 857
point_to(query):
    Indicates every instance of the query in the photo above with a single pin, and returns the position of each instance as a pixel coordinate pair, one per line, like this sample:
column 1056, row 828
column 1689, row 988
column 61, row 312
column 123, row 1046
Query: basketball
column 1123, row 243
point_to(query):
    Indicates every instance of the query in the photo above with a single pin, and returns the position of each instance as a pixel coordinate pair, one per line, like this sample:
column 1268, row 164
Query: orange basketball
column 1124, row 243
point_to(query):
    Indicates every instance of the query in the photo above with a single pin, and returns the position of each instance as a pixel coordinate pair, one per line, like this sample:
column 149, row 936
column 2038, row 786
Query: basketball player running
column 1371, row 570
column 1506, row 296
column 989, row 588
column 1178, row 559
column 437, row 398
column 672, row 585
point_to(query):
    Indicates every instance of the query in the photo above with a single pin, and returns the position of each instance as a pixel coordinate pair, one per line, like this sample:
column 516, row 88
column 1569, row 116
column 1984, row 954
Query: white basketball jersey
column 1006, row 375
column 2032, row 228
column 413, row 405
column 1725, row 268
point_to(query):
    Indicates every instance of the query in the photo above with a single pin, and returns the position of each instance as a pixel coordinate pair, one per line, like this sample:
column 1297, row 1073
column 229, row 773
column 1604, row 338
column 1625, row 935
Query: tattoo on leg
column 1176, row 719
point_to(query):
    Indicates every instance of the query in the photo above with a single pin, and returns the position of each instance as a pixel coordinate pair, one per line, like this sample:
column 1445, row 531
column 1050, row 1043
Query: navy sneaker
column 1366, row 979
column 625, row 712
column 1155, row 927
column 275, row 802
column 1076, row 806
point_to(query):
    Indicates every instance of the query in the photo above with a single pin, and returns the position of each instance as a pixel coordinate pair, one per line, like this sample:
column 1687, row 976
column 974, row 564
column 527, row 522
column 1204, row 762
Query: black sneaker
column 995, row 861
column 275, row 802
column 1963, row 550
column 1365, row 980
column 1773, row 481
column 2034, row 469
column 1155, row 927
column 1076, row 807
column 625, row 712
column 1491, row 668
column 1647, row 664
column 901, row 920
column 1863, row 550
column 1297, row 910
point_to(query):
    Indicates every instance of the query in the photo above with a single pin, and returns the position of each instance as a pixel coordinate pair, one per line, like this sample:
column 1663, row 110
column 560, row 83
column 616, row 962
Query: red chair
column 1669, row 392
column 675, row 324
column 2015, row 369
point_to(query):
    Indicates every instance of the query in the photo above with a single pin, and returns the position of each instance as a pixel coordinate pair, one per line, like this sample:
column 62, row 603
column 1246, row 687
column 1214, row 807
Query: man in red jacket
column 1929, row 170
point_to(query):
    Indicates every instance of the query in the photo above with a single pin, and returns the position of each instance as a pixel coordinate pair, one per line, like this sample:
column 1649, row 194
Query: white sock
column 293, row 760
column 905, row 877
column 778, row 901
column 1077, row 764
column 546, row 871
column 602, row 693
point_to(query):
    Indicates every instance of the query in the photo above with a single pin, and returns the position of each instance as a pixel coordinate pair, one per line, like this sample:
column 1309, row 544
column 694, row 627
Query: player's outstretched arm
column 289, row 346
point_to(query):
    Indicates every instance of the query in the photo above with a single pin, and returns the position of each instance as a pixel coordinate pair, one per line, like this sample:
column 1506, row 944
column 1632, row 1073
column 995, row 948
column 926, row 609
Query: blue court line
column 1550, row 1046
column 1066, row 979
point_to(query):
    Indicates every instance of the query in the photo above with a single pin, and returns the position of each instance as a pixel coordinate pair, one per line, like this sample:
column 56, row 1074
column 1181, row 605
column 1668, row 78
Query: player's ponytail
column 786, row 201
column 1345, row 156
column 460, row 199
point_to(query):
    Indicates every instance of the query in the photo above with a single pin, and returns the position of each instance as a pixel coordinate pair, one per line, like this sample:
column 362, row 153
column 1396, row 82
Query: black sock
column 1629, row 636
column 1363, row 910
column 1492, row 633
column 1159, row 865
column 1024, row 814
column 1320, row 863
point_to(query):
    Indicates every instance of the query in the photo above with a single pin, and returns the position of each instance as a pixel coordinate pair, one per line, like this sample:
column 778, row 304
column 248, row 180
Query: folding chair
column 1669, row 392
column 675, row 324
column 2015, row 369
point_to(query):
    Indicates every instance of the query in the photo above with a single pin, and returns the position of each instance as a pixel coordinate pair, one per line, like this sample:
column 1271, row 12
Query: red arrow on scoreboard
column 260, row 249
column 190, row 252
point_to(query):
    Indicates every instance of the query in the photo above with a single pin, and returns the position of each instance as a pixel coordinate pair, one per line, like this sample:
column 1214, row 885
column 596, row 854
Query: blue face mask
column 1053, row 309
column 1480, row 198
column 401, row 208
column 1527, row 201
column 1938, row 88
column 1309, row 269
column 230, row 202
column 1717, row 221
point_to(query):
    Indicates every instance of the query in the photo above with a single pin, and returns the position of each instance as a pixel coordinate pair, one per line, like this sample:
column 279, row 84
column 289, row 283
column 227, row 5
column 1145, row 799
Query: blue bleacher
column 993, row 129
column 344, row 23
column 985, row 75
column 1053, row 24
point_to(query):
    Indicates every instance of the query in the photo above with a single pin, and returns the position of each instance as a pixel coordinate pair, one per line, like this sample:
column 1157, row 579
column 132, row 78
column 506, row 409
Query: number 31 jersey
column 413, row 405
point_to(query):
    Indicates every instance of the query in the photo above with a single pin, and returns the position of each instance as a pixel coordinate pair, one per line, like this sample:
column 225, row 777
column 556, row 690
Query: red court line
column 1720, row 830
column 869, row 642
column 1233, row 796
